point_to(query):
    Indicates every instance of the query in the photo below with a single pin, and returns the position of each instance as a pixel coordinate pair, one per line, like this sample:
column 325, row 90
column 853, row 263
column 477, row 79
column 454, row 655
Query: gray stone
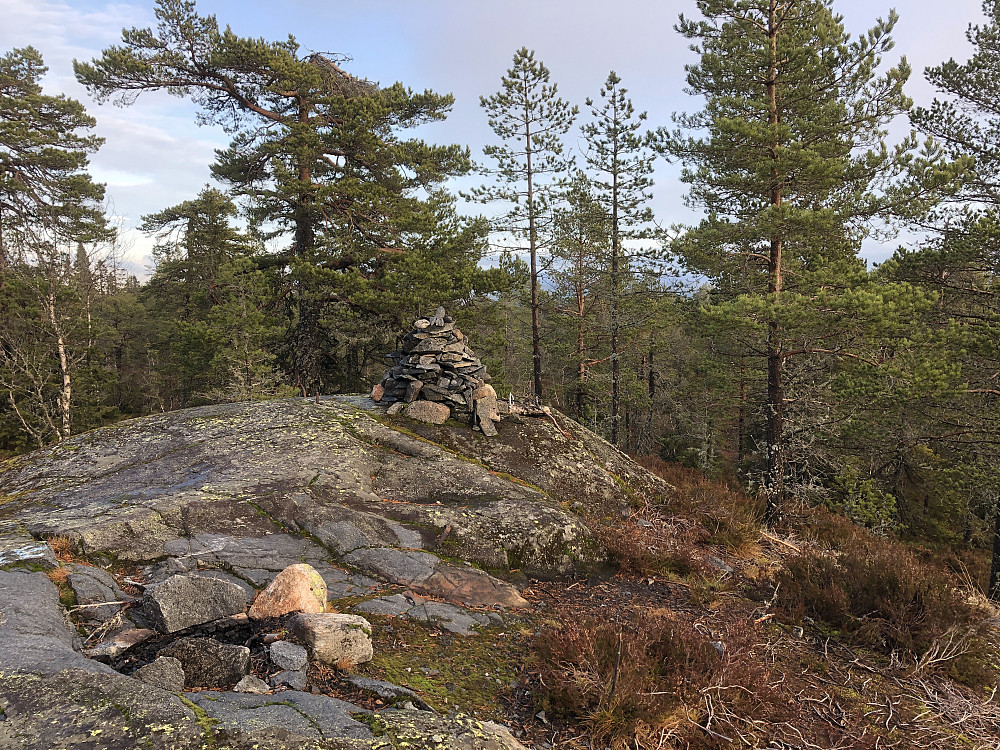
column 292, row 678
column 221, row 575
column 397, row 566
column 448, row 617
column 35, row 637
column 93, row 586
column 81, row 709
column 252, row 684
column 385, row 606
column 412, row 391
column 395, row 408
column 184, row 601
column 335, row 639
column 285, row 655
column 484, row 419
column 719, row 564
column 164, row 672
column 208, row 663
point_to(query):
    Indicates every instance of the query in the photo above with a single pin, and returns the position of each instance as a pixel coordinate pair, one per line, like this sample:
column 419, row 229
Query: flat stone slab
column 387, row 691
column 20, row 549
column 307, row 715
column 448, row 617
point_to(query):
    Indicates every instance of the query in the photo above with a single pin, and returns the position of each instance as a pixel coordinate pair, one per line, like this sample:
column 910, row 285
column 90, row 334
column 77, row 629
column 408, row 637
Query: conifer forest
column 755, row 345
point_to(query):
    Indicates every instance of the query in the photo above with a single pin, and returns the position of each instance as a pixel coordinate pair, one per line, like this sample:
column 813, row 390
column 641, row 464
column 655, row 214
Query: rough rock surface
column 97, row 591
column 164, row 672
column 232, row 495
column 208, row 663
column 335, row 639
column 288, row 655
column 428, row 411
column 183, row 601
column 446, row 616
column 298, row 588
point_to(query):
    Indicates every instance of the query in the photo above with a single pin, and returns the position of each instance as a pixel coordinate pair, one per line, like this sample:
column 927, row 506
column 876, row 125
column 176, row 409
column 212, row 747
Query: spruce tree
column 530, row 119
column 788, row 159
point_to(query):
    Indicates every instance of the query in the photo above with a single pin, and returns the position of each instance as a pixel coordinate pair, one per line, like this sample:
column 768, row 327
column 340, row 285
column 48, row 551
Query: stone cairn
column 435, row 375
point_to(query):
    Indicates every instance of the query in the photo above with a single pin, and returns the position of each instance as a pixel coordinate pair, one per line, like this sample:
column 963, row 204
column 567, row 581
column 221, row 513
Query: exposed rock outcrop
column 203, row 508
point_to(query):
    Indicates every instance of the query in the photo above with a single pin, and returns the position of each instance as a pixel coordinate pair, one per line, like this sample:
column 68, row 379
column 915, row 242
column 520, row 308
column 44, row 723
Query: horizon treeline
column 756, row 345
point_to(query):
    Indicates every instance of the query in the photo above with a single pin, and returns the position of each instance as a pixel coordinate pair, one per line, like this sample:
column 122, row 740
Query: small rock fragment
column 119, row 644
column 251, row 684
column 295, row 679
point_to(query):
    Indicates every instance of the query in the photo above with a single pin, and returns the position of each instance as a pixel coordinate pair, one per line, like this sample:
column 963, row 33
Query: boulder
column 208, row 663
column 298, row 588
column 335, row 639
column 428, row 411
column 184, row 601
column 285, row 655
column 164, row 672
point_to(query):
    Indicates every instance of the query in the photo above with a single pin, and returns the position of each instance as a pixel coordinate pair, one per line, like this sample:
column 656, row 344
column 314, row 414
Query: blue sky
column 155, row 155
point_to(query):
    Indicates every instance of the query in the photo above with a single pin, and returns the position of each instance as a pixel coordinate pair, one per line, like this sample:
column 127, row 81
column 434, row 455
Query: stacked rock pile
column 435, row 365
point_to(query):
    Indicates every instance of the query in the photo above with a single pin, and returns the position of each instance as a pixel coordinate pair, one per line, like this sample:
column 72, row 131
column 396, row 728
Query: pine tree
column 530, row 119
column 48, row 204
column 317, row 153
column 621, row 163
column 962, row 264
column 791, row 171
column 196, row 244
column 579, row 284
column 966, row 121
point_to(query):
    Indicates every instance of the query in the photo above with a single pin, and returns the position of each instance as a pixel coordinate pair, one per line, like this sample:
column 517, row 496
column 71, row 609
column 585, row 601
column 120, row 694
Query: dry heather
column 718, row 633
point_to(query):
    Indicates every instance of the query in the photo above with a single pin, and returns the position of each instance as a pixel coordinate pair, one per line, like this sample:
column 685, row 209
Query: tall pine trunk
column 536, row 339
column 775, row 466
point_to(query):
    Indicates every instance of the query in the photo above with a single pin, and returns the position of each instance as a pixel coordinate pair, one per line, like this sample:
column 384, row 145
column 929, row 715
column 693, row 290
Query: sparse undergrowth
column 887, row 632
column 648, row 673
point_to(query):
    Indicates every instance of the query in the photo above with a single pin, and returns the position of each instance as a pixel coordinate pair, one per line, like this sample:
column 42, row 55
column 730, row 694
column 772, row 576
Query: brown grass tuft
column 626, row 679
